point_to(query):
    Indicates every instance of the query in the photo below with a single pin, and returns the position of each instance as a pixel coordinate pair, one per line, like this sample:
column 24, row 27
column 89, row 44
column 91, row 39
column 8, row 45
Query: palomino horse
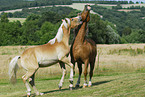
column 55, row 51
column 83, row 50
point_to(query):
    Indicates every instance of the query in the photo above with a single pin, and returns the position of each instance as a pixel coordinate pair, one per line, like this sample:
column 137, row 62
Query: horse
column 55, row 51
column 83, row 50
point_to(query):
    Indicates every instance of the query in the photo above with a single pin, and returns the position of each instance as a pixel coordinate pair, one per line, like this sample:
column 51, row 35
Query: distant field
column 79, row 6
column 128, row 10
column 15, row 19
column 129, row 5
column 121, row 72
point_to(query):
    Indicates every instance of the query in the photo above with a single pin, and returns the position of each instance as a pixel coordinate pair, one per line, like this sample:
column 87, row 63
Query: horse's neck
column 81, row 34
column 66, row 35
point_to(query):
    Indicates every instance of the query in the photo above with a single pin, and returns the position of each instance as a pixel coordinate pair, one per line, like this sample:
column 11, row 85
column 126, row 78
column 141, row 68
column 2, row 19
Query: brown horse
column 83, row 50
column 55, row 51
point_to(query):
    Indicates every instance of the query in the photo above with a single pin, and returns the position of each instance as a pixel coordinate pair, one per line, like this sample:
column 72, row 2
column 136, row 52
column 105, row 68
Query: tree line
column 16, row 4
column 42, row 24
column 129, row 25
column 101, row 2
column 40, row 28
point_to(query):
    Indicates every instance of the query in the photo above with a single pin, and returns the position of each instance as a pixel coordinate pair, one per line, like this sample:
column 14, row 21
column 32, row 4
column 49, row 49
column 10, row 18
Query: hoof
column 28, row 95
column 39, row 93
column 60, row 87
column 77, row 86
column 70, row 88
column 90, row 84
column 84, row 86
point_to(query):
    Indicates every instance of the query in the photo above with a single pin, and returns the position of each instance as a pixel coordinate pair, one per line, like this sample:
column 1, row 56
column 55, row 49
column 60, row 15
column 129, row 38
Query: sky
column 125, row 0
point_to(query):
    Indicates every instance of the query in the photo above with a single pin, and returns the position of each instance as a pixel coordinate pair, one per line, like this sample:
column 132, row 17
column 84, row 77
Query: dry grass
column 110, row 60
column 120, row 74
column 123, row 61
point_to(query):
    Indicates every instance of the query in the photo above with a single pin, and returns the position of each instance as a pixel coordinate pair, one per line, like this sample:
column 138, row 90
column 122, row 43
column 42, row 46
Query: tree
column 4, row 18
column 29, row 29
column 112, row 36
column 130, row 2
column 50, row 17
column 48, row 31
column 126, row 31
column 137, row 2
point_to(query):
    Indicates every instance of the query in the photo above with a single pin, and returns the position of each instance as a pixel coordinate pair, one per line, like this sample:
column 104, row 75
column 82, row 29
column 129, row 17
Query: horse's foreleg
column 80, row 72
column 91, row 73
column 67, row 61
column 74, row 68
column 71, row 76
column 62, row 65
column 85, row 74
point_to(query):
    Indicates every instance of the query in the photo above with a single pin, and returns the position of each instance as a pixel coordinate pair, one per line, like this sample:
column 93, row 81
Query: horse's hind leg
column 25, row 79
column 29, row 76
column 92, row 64
column 85, row 73
column 80, row 72
column 32, row 83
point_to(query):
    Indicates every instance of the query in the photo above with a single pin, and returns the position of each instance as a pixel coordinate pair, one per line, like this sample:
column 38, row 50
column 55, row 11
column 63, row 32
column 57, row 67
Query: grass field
column 22, row 20
column 121, row 72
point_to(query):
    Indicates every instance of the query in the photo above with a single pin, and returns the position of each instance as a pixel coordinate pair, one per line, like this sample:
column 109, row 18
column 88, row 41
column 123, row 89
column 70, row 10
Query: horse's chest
column 80, row 52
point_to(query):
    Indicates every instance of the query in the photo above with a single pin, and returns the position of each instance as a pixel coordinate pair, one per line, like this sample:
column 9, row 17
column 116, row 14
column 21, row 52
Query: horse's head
column 85, row 15
column 72, row 22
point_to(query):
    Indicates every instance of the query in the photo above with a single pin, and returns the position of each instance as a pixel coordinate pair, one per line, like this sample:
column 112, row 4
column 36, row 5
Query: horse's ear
column 79, row 14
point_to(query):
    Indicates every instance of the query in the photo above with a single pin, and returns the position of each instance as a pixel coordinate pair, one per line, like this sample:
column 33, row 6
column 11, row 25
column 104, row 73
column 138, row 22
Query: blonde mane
column 59, row 34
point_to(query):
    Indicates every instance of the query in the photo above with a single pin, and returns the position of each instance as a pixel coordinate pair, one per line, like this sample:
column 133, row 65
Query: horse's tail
column 13, row 67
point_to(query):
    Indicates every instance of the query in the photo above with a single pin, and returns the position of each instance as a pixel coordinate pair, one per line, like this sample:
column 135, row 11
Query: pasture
column 22, row 20
column 120, row 72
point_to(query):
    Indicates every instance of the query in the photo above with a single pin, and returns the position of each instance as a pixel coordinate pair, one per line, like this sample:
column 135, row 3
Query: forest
column 129, row 25
column 42, row 24
column 16, row 4
column 39, row 28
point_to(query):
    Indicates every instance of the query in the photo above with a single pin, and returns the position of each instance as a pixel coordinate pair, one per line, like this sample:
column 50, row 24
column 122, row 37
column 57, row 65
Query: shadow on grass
column 65, row 89
column 101, row 82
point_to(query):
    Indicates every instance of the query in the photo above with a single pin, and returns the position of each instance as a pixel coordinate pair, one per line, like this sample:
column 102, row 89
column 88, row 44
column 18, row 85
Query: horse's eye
column 72, row 19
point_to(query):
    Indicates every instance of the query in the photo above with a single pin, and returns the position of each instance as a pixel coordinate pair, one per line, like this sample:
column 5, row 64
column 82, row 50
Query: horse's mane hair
column 59, row 34
column 76, row 30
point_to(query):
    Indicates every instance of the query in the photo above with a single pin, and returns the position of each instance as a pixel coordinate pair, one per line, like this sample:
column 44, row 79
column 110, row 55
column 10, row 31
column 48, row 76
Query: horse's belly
column 46, row 63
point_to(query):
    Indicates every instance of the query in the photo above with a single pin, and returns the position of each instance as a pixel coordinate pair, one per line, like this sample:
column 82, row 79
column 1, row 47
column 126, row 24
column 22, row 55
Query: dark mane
column 90, row 41
column 76, row 30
